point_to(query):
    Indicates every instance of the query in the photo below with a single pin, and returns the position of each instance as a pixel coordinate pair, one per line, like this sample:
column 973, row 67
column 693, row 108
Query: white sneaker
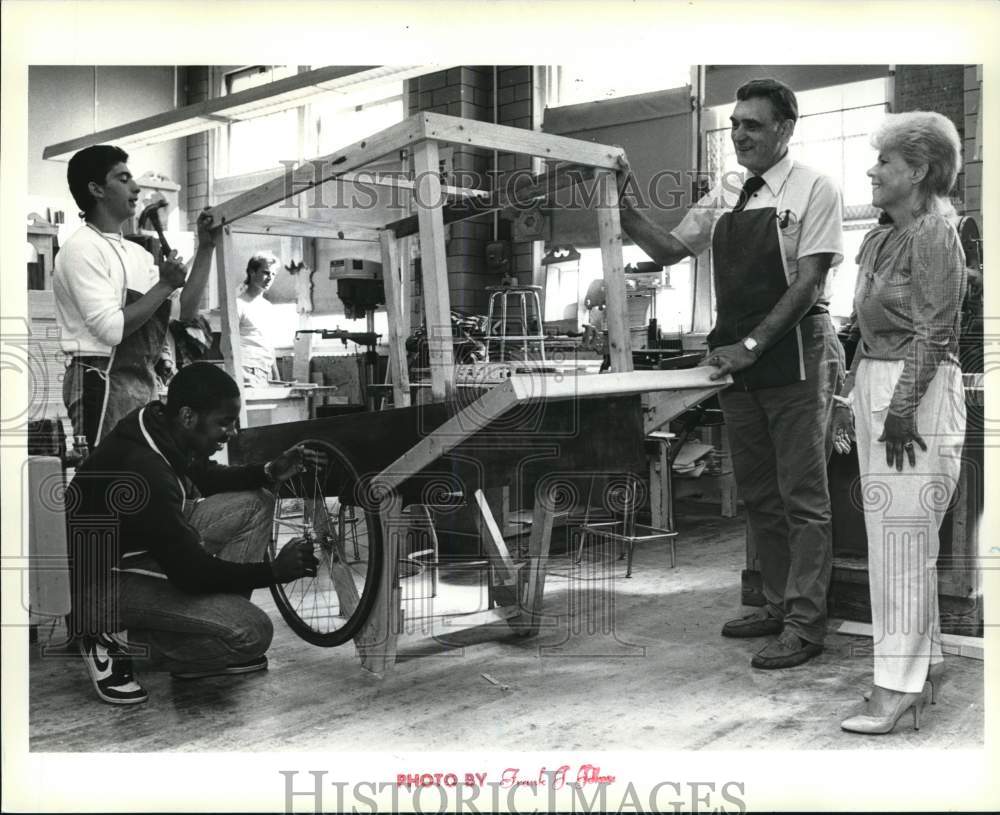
column 110, row 671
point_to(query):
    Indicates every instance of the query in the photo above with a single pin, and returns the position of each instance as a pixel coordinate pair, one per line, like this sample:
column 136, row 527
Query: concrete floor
column 659, row 678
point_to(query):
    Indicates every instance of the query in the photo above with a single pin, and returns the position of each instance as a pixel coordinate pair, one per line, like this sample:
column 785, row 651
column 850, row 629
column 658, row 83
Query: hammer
column 152, row 214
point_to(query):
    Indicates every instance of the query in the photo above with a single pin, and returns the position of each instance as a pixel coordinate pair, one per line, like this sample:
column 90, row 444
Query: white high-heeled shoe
column 900, row 703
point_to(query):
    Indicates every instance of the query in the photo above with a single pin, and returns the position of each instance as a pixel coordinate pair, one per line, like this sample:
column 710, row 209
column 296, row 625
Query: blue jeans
column 185, row 632
column 780, row 443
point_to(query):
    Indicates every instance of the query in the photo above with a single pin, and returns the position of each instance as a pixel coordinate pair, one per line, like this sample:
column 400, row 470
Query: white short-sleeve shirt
column 256, row 332
column 809, row 207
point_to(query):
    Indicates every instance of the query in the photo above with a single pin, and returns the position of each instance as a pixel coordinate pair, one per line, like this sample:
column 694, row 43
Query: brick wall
column 467, row 91
column 940, row 88
column 971, row 148
column 195, row 82
column 514, row 94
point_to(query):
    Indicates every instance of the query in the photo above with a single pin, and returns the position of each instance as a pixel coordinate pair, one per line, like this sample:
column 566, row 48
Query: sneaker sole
column 232, row 671
column 102, row 695
column 113, row 700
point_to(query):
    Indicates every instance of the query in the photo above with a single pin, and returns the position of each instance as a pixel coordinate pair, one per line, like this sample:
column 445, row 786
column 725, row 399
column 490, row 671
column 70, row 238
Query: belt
column 816, row 310
column 88, row 359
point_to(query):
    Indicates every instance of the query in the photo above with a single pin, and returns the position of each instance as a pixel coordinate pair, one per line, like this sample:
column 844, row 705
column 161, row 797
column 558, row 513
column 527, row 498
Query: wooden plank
column 660, row 504
column 376, row 643
column 395, row 303
column 48, row 566
column 343, row 577
column 542, row 188
column 229, row 317
column 660, row 407
column 521, row 389
column 454, row 130
column 446, row 437
column 320, row 170
column 301, row 355
column 452, row 623
column 434, row 262
column 493, row 538
column 299, row 228
column 211, row 112
column 533, row 592
column 450, row 213
column 956, row 644
column 609, row 230
column 587, row 386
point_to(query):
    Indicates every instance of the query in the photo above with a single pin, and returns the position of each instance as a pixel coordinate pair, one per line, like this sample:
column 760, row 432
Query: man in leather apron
column 773, row 242
column 113, row 304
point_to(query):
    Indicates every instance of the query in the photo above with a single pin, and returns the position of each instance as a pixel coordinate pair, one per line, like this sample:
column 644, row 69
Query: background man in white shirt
column 256, row 319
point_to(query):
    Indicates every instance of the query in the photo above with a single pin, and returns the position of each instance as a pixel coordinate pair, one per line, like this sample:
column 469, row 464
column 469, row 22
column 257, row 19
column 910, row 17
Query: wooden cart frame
column 666, row 393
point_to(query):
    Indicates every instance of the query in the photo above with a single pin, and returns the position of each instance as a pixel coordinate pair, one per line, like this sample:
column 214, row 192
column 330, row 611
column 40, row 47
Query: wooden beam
column 454, row 130
column 229, row 317
column 660, row 408
column 521, row 389
column 340, row 572
column 299, row 228
column 609, row 230
column 450, row 213
column 434, row 262
column 526, row 387
column 208, row 114
column 956, row 644
column 493, row 539
column 525, row 191
column 376, row 642
column 395, row 303
column 533, row 588
column 320, row 170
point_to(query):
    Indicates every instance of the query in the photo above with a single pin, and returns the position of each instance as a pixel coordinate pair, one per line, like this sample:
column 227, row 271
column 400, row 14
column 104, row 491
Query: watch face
column 750, row 344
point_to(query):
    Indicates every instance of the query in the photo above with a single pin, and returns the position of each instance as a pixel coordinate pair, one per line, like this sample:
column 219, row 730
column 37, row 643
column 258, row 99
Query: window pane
column 604, row 79
column 265, row 141
column 342, row 120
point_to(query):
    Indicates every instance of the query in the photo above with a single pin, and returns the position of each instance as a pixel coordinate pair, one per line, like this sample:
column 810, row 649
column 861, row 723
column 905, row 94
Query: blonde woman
column 905, row 394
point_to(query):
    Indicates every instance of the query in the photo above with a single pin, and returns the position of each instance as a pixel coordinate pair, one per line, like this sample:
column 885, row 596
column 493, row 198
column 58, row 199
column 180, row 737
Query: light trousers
column 903, row 514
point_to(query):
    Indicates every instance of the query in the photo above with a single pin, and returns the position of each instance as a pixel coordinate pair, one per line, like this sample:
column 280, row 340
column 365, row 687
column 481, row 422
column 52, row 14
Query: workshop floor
column 640, row 663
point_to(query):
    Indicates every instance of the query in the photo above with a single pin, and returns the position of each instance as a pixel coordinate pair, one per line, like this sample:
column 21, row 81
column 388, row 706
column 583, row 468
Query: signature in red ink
column 591, row 774
column 556, row 778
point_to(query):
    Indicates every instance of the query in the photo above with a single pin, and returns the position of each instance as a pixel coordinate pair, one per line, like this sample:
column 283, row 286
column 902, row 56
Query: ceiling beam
column 299, row 228
column 281, row 94
column 320, row 170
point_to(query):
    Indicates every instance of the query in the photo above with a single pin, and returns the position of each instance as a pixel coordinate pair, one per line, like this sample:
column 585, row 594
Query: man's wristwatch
column 752, row 346
column 267, row 472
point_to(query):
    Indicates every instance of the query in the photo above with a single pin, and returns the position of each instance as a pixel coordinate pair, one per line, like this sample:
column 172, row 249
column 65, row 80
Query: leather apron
column 750, row 278
column 131, row 379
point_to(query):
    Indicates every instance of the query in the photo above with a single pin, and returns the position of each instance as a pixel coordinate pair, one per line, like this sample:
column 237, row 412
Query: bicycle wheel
column 329, row 608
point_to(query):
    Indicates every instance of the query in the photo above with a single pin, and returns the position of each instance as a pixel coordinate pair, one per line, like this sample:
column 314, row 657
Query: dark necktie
column 750, row 186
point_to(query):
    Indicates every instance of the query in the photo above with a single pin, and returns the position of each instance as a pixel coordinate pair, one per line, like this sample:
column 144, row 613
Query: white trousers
column 903, row 513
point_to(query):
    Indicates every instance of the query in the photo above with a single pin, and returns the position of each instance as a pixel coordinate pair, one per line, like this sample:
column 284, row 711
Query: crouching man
column 170, row 545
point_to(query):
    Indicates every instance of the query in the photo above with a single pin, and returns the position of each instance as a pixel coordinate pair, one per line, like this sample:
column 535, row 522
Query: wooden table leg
column 377, row 640
column 533, row 585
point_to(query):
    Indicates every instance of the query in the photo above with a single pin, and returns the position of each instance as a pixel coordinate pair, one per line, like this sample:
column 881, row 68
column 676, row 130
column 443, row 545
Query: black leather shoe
column 757, row 623
column 785, row 651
